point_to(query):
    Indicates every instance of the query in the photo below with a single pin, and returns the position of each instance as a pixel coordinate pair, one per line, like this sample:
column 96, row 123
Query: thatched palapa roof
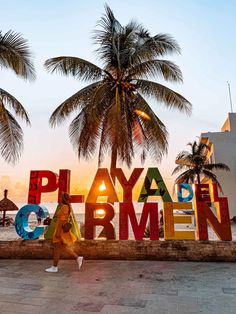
column 6, row 204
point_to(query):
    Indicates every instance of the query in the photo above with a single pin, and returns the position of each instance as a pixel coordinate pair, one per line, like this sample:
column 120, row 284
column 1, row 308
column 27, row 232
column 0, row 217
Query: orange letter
column 170, row 220
column 102, row 186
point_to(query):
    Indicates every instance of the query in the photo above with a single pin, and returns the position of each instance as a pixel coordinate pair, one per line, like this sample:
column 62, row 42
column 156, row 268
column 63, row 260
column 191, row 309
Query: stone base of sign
column 126, row 250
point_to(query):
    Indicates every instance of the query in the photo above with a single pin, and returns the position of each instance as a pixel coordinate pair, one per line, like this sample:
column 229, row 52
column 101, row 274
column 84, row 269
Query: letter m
column 127, row 212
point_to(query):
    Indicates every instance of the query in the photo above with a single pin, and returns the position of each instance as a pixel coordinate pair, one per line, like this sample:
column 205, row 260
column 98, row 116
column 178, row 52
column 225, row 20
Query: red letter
column 36, row 188
column 64, row 186
column 127, row 210
column 202, row 192
column 204, row 214
column 91, row 222
column 127, row 185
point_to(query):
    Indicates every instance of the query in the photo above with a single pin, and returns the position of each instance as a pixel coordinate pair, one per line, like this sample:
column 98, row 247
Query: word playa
column 199, row 200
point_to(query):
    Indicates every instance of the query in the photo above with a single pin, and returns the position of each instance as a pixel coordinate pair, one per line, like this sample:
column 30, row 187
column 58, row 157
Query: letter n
column 220, row 222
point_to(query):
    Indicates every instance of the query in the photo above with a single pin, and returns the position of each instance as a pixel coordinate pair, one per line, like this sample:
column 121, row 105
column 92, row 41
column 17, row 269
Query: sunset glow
column 100, row 213
column 102, row 187
column 142, row 114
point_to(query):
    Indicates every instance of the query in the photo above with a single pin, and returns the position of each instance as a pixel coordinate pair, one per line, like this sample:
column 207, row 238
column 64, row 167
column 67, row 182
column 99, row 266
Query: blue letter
column 180, row 188
column 22, row 223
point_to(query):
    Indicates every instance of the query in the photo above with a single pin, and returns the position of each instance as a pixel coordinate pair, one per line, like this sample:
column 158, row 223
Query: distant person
column 61, row 237
column 161, row 227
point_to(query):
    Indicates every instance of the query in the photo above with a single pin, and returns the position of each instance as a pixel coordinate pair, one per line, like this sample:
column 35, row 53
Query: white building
column 223, row 149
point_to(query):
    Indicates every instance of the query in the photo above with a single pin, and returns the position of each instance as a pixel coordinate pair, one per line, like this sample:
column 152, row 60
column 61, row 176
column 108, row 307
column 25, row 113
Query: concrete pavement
column 118, row 287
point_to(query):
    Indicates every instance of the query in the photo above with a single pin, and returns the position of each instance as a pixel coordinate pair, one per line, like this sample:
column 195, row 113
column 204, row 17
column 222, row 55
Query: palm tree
column 15, row 55
column 112, row 112
column 196, row 164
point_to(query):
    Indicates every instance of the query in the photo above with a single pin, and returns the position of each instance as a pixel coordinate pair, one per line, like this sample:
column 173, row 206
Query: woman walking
column 61, row 237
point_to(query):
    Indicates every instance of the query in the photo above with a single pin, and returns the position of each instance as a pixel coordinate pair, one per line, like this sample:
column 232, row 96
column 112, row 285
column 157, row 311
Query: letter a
column 102, row 178
column 154, row 174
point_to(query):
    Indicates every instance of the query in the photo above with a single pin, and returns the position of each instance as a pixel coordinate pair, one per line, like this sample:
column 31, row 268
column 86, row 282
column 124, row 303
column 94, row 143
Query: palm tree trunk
column 114, row 145
column 198, row 178
column 113, row 161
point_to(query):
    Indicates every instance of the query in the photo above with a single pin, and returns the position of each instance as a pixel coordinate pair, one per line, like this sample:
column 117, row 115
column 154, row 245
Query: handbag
column 47, row 221
column 68, row 225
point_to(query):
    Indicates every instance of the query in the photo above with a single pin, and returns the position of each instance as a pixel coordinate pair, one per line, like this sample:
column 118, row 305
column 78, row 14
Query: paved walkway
column 118, row 287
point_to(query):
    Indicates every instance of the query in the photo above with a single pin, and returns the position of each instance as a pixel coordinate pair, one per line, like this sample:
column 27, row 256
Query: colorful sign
column 22, row 221
column 197, row 202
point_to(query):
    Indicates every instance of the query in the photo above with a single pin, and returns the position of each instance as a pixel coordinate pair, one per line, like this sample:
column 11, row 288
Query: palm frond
column 164, row 94
column 193, row 147
column 15, row 54
column 132, row 32
column 11, row 137
column 104, row 141
column 163, row 69
column 76, row 101
column 165, row 44
column 108, row 22
column 155, row 134
column 76, row 67
column 217, row 166
column 209, row 175
column 84, row 134
column 179, row 168
column 185, row 158
column 187, row 176
column 107, row 37
column 85, row 130
column 102, row 97
column 148, row 47
column 7, row 100
column 201, row 149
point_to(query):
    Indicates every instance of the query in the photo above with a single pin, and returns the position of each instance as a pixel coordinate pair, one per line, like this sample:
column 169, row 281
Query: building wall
column 223, row 149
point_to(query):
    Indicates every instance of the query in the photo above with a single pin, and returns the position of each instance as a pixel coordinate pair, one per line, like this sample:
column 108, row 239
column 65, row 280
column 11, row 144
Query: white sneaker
column 52, row 269
column 79, row 261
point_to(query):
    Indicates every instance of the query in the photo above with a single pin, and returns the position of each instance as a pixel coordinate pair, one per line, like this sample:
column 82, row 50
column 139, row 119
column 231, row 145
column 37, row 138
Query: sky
column 205, row 32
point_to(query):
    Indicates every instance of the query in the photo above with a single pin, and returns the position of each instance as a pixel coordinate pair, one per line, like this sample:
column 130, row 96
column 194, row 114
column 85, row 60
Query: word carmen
column 204, row 197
